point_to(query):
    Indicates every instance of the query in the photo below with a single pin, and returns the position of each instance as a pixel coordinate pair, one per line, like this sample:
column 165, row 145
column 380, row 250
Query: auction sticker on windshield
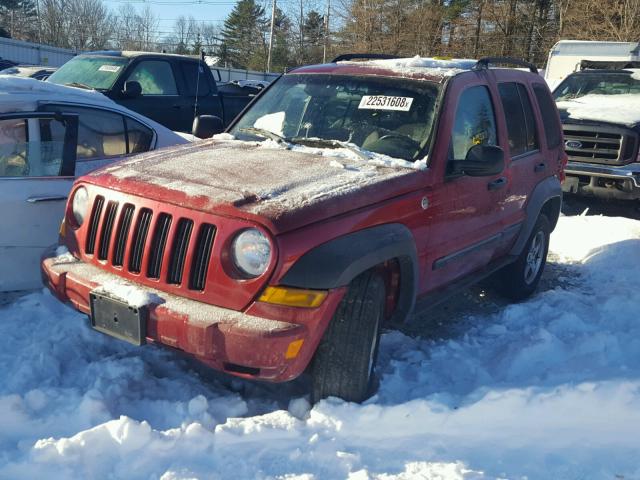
column 109, row 68
column 385, row 102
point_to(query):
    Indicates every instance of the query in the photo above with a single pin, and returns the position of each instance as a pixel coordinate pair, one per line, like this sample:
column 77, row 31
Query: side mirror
column 481, row 161
column 206, row 126
column 132, row 89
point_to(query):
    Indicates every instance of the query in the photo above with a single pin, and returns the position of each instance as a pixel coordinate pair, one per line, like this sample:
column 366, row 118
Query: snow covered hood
column 621, row 109
column 286, row 187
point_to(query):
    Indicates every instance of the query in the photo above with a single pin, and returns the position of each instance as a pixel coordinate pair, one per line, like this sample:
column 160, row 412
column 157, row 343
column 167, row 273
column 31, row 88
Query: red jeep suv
column 342, row 196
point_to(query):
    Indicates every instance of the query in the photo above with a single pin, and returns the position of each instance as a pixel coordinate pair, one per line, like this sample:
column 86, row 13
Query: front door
column 37, row 162
column 465, row 212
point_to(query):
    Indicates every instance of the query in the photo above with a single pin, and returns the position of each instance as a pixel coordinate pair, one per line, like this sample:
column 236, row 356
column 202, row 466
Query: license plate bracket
column 118, row 319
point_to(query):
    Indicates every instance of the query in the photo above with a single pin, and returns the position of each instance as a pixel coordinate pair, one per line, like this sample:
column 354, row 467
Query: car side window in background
column 155, row 77
column 474, row 123
column 100, row 133
column 140, row 137
column 550, row 121
column 519, row 117
column 31, row 148
column 195, row 78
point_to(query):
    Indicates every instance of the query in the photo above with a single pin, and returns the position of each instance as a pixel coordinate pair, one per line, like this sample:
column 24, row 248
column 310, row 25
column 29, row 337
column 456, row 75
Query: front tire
column 520, row 279
column 344, row 362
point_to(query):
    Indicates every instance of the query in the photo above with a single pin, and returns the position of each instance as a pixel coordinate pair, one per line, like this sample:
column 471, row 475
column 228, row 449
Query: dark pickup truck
column 170, row 89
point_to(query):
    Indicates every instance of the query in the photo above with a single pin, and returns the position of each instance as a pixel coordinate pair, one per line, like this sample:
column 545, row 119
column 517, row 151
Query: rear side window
column 549, row 115
column 521, row 126
column 475, row 122
column 103, row 134
column 195, row 77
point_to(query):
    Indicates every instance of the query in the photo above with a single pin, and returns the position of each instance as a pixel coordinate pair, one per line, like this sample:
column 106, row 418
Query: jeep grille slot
column 199, row 267
column 158, row 243
column 179, row 251
column 139, row 239
column 122, row 233
column 96, row 213
column 607, row 145
column 107, row 228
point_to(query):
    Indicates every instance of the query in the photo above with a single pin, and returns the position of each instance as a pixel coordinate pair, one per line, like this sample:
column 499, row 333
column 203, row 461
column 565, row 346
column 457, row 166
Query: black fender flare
column 546, row 190
column 337, row 262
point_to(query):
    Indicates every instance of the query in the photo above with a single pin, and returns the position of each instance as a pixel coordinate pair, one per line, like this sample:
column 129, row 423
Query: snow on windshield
column 544, row 389
column 272, row 122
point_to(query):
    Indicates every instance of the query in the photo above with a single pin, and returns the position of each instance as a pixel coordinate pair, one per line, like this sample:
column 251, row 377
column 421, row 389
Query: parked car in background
column 345, row 193
column 49, row 134
column 29, row 71
column 600, row 111
column 170, row 89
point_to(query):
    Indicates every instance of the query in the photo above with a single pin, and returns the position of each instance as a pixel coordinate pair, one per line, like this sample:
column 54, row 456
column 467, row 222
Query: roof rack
column 483, row 63
column 363, row 56
column 608, row 64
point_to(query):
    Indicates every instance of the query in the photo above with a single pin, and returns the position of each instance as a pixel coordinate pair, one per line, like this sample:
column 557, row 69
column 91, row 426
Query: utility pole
column 326, row 33
column 273, row 25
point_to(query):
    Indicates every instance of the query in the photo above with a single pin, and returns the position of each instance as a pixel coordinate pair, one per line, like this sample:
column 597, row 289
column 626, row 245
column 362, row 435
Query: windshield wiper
column 262, row 132
column 79, row 85
column 321, row 142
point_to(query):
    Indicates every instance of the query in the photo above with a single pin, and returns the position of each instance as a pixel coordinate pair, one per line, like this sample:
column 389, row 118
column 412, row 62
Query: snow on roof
column 420, row 65
column 623, row 109
column 19, row 94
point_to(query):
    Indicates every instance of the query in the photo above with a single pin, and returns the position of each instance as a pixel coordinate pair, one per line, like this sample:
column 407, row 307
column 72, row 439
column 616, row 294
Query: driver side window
column 474, row 124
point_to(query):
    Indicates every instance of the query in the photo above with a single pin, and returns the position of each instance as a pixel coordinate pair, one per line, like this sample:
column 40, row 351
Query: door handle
column 497, row 184
column 177, row 106
column 47, row 198
column 539, row 167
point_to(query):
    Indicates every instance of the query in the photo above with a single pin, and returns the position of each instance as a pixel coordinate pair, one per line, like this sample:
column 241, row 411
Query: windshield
column 97, row 72
column 384, row 115
column 581, row 84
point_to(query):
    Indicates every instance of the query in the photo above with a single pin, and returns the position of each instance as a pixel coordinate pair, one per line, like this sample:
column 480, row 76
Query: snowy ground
column 547, row 389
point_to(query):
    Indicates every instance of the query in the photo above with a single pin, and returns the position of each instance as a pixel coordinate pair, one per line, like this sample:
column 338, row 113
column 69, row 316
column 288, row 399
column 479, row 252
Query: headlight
column 251, row 252
column 79, row 205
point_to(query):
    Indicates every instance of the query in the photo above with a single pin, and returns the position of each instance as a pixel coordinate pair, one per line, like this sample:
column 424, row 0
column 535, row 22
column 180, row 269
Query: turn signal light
column 293, row 297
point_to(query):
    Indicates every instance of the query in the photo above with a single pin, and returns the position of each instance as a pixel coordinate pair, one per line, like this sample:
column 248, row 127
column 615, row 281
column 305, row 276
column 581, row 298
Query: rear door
column 526, row 150
column 37, row 162
column 201, row 92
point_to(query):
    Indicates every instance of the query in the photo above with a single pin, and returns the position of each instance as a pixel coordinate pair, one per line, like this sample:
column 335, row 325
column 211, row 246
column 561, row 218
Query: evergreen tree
column 18, row 19
column 281, row 36
column 244, row 36
column 313, row 30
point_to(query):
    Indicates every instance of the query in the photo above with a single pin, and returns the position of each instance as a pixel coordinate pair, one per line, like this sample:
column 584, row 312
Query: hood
column 281, row 188
column 621, row 109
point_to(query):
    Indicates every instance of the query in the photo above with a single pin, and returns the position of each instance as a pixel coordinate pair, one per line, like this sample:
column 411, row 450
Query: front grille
column 600, row 144
column 128, row 236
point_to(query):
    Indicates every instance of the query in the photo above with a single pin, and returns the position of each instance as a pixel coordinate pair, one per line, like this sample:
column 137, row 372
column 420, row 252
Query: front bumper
column 603, row 181
column 246, row 344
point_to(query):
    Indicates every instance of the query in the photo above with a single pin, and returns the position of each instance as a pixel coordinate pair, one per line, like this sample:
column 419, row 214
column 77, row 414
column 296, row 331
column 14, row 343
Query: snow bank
column 545, row 389
column 623, row 109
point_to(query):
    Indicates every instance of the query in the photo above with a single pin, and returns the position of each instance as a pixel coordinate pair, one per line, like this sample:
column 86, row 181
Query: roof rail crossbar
column 484, row 63
column 363, row 56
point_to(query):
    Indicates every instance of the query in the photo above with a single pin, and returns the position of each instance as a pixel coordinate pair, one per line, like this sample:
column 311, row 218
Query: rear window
column 549, row 115
column 521, row 126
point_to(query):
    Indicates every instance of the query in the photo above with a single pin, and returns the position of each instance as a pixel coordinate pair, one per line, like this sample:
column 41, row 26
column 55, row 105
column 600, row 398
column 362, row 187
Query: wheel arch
column 546, row 198
column 337, row 262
